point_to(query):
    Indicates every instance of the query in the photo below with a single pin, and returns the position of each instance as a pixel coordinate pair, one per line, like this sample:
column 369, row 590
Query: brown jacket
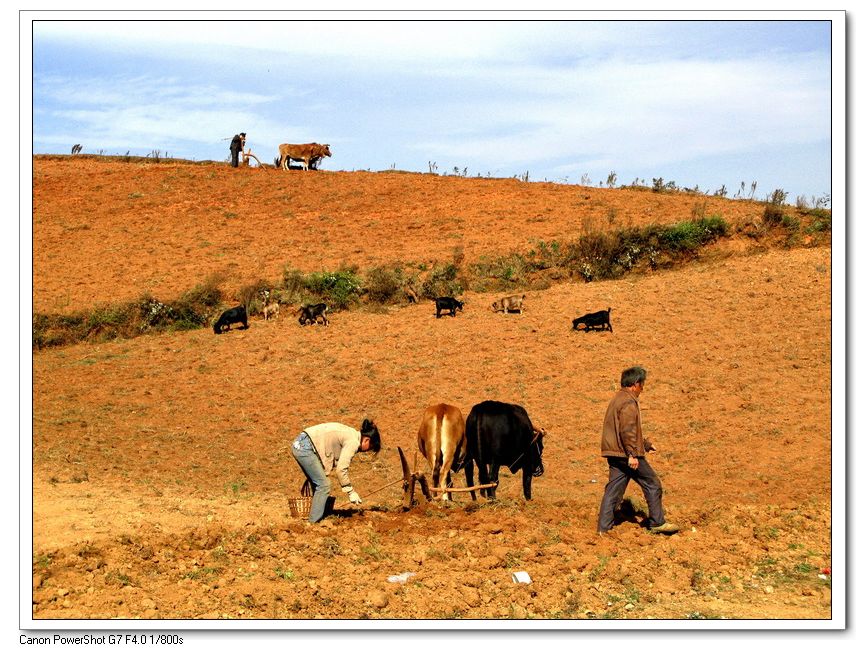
column 623, row 429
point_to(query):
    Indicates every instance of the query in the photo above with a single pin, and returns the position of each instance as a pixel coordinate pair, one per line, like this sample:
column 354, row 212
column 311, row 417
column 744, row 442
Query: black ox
column 597, row 320
column 500, row 434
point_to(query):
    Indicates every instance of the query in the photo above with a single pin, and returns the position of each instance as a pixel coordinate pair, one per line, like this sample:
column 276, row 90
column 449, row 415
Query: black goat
column 229, row 316
column 311, row 313
column 447, row 304
column 598, row 320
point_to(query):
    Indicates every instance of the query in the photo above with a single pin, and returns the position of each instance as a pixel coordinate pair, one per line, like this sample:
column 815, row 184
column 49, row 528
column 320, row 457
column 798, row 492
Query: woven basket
column 299, row 506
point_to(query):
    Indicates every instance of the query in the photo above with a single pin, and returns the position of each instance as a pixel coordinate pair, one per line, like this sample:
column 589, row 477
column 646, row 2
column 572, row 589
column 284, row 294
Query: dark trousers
column 620, row 476
column 234, row 154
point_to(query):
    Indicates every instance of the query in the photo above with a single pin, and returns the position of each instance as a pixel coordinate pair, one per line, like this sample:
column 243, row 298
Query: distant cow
column 308, row 155
column 271, row 310
column 508, row 304
column 76, row 149
column 442, row 441
column 500, row 434
column 447, row 304
column 310, row 314
column 229, row 316
column 598, row 320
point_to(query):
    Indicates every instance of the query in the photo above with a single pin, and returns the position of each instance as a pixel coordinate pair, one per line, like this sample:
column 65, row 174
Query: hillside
column 161, row 463
column 107, row 230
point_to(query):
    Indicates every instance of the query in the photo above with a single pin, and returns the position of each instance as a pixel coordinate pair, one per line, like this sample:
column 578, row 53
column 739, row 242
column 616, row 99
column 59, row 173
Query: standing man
column 625, row 449
column 237, row 144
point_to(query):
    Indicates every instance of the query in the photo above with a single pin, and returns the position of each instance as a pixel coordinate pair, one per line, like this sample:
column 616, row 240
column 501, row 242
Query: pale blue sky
column 700, row 103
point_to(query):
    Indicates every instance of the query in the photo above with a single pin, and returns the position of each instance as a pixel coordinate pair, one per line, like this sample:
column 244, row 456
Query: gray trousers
column 620, row 476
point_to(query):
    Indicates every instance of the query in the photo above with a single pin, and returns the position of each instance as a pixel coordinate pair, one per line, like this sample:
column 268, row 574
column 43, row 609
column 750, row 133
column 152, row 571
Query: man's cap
column 243, row 134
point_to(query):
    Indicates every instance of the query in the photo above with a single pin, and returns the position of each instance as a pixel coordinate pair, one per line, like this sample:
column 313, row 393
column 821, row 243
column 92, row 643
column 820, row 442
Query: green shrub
column 339, row 289
column 821, row 220
column 790, row 222
column 384, row 285
column 194, row 308
column 293, row 285
column 773, row 214
column 687, row 236
column 253, row 296
column 441, row 281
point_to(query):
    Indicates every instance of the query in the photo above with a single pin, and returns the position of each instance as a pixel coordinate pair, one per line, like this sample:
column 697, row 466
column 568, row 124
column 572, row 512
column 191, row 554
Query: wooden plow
column 247, row 155
column 412, row 478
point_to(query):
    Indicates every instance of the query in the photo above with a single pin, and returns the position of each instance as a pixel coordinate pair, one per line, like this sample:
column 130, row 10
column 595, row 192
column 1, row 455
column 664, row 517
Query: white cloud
column 649, row 113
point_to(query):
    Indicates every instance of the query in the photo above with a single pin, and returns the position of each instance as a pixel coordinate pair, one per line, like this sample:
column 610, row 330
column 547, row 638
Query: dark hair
column 370, row 430
column 243, row 134
column 633, row 375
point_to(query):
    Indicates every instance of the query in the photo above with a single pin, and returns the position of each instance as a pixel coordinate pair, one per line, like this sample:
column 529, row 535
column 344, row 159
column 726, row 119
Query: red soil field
column 161, row 464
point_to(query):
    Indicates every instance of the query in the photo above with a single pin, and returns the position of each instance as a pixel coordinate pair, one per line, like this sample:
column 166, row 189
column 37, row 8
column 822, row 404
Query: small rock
column 471, row 597
column 501, row 552
column 37, row 582
column 629, row 606
column 769, row 589
column 379, row 599
column 148, row 604
column 62, row 592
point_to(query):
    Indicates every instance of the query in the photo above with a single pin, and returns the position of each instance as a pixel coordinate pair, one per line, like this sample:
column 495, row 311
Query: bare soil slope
column 161, row 464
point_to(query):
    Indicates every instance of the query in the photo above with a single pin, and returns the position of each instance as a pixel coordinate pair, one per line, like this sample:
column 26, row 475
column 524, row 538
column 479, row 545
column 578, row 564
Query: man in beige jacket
column 321, row 448
column 625, row 449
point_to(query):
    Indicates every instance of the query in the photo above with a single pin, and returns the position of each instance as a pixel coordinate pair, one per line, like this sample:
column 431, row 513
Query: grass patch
column 284, row 574
column 194, row 309
column 203, row 573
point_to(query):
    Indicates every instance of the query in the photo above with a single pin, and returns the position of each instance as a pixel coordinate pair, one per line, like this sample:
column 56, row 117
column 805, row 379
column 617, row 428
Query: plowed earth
column 161, row 464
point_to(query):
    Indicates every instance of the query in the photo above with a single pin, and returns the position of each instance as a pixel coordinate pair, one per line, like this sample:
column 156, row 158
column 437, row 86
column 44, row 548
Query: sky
column 705, row 104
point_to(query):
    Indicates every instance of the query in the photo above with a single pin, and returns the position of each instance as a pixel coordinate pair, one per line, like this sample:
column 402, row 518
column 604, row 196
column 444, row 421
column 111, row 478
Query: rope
column 533, row 441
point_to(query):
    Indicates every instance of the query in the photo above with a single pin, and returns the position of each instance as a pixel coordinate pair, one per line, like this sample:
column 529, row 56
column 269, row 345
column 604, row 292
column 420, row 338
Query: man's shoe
column 665, row 529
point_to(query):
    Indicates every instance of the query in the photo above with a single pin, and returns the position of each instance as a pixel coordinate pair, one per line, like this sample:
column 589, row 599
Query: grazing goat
column 599, row 320
column 447, row 304
column 229, row 316
column 309, row 314
column 271, row 310
column 508, row 304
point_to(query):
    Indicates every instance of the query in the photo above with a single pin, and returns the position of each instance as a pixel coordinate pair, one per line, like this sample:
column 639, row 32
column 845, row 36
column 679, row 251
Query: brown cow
column 508, row 304
column 442, row 440
column 307, row 154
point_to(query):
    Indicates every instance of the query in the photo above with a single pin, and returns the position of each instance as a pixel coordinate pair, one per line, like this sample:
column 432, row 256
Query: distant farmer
column 237, row 144
column 320, row 448
column 625, row 449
